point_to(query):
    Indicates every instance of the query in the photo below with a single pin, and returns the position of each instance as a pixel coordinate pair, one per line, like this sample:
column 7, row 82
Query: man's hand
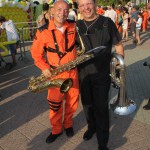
column 47, row 73
column 120, row 49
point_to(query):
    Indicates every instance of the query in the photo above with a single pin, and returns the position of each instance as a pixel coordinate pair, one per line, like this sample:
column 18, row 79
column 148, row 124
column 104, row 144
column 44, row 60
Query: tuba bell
column 121, row 105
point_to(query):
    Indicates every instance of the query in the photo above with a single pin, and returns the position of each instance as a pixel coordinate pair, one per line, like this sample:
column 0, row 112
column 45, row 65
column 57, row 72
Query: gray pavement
column 24, row 122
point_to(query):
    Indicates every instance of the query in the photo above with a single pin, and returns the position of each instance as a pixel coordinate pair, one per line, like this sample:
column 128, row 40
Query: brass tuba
column 121, row 105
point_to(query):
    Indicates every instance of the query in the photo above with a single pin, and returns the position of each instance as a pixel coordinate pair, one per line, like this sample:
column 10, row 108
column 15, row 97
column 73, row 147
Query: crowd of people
column 127, row 18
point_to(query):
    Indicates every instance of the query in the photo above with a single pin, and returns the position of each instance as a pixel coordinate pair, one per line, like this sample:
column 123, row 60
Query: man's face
column 60, row 11
column 87, row 9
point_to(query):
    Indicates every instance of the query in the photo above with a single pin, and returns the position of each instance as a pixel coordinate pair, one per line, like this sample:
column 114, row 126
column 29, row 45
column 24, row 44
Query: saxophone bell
column 65, row 85
column 36, row 86
column 121, row 105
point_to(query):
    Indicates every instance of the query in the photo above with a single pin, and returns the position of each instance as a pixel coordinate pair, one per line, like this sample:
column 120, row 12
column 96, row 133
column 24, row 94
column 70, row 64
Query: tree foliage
column 109, row 2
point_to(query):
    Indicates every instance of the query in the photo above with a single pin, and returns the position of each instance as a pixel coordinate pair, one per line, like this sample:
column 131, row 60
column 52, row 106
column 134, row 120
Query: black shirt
column 102, row 32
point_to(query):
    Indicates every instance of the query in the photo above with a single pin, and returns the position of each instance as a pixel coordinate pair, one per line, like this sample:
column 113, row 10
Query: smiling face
column 60, row 13
column 88, row 9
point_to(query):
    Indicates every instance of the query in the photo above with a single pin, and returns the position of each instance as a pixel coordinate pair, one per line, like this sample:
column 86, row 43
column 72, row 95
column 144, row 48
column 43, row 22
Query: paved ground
column 24, row 116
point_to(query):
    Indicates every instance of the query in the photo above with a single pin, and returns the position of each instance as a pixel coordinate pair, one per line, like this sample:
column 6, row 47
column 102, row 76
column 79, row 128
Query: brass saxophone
column 40, row 83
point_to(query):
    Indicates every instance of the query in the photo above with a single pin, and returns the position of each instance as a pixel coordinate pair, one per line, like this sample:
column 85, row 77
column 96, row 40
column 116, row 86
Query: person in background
column 134, row 17
column 119, row 20
column 38, row 11
column 100, row 10
column 94, row 75
column 72, row 14
column 125, row 17
column 112, row 13
column 12, row 35
column 138, row 28
column 34, row 9
column 59, row 41
column 41, row 21
column 46, row 12
column 145, row 16
column 106, row 11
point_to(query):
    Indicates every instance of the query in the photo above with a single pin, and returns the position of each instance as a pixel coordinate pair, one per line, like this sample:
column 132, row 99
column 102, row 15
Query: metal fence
column 26, row 34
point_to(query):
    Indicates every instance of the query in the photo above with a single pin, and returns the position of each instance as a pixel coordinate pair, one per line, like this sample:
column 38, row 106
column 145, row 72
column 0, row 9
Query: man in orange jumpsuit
column 59, row 40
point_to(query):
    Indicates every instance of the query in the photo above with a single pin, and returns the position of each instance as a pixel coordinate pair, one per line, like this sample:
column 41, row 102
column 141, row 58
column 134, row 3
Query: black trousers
column 94, row 96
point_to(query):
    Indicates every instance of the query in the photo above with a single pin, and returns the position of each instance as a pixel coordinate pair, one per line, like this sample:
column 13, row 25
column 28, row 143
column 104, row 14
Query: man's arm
column 37, row 53
column 119, row 49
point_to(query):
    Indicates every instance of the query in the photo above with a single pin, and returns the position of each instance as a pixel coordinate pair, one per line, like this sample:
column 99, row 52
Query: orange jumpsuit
column 145, row 20
column 55, row 98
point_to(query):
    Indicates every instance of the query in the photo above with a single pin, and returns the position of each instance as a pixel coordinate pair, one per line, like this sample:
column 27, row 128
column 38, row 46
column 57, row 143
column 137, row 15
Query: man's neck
column 58, row 25
column 92, row 18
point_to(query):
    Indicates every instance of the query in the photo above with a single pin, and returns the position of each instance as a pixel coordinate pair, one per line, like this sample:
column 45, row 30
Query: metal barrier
column 27, row 37
column 26, row 32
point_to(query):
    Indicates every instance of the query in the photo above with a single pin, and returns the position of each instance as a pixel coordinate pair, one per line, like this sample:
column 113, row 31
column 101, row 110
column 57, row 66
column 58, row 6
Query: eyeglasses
column 87, row 4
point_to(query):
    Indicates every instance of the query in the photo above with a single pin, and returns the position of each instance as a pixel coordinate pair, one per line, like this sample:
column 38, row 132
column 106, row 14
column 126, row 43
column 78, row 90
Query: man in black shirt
column 96, row 30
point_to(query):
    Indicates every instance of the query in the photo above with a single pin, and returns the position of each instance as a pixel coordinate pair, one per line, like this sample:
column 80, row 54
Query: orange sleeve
column 37, row 52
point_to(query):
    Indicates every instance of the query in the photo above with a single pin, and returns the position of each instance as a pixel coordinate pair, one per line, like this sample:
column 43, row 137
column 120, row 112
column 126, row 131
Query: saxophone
column 40, row 83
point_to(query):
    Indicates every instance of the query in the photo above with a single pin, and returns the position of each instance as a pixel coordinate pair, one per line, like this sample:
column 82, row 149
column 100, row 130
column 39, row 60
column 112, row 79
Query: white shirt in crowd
column 10, row 30
column 72, row 15
column 139, row 23
column 112, row 14
column 106, row 13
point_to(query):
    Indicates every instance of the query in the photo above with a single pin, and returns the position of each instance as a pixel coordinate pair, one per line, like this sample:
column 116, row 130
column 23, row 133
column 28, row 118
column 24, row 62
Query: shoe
column 138, row 44
column 135, row 41
column 52, row 137
column 69, row 132
column 147, row 106
column 88, row 135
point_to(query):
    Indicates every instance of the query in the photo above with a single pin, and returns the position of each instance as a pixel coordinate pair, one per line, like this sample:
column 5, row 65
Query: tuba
column 121, row 105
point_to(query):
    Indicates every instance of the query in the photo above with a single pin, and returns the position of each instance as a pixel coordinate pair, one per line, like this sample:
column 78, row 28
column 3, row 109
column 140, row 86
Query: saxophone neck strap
column 56, row 50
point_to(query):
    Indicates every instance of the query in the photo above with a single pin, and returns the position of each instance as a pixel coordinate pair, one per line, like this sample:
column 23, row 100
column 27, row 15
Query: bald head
column 59, row 2
column 61, row 11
